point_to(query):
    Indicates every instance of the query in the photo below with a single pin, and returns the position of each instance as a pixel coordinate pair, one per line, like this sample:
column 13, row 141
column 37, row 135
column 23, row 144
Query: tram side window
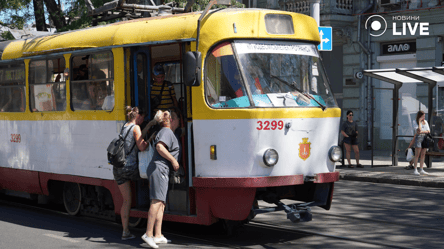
column 12, row 87
column 223, row 83
column 47, row 85
column 92, row 85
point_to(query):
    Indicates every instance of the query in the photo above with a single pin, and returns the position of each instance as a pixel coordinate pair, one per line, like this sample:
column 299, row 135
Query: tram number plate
column 270, row 125
column 16, row 138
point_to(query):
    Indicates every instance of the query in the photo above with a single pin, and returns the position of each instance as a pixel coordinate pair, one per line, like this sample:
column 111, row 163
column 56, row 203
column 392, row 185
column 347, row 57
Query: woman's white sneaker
column 161, row 240
column 149, row 241
column 416, row 173
column 423, row 172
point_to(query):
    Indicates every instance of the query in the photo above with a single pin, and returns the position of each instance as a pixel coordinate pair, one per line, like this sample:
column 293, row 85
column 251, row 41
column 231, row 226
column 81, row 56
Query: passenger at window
column 92, row 95
column 101, row 94
column 163, row 96
column 165, row 157
column 82, row 73
column 16, row 101
column 5, row 98
column 108, row 102
column 79, row 99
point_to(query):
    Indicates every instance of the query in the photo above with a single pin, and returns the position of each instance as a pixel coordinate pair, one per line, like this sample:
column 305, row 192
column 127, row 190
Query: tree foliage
column 63, row 14
column 200, row 5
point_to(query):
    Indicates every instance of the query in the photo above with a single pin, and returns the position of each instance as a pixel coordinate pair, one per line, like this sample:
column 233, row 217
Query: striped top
column 167, row 101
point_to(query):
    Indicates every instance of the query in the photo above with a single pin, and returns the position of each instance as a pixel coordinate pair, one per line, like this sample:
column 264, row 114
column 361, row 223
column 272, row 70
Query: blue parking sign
column 326, row 35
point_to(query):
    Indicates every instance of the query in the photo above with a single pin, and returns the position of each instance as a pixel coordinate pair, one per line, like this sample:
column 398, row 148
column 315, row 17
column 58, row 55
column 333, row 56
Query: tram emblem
column 304, row 149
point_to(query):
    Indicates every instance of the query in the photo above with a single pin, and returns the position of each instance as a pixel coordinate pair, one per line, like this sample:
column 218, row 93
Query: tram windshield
column 277, row 74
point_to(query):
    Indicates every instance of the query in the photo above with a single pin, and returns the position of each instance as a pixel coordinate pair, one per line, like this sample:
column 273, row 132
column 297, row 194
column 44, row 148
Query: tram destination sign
column 399, row 48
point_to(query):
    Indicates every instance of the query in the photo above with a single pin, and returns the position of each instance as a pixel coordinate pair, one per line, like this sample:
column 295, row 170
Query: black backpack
column 116, row 150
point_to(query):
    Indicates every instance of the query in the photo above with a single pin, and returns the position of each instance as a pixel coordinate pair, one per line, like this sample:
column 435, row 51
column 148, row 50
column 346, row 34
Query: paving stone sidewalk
column 381, row 173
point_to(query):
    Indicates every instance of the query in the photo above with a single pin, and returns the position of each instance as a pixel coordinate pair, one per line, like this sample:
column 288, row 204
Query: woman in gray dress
column 165, row 157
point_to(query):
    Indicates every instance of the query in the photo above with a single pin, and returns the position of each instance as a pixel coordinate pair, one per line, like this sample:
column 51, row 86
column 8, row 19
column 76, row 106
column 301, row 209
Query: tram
column 260, row 120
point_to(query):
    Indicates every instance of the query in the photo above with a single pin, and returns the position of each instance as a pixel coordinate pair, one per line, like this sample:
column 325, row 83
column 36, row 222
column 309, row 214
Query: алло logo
column 376, row 25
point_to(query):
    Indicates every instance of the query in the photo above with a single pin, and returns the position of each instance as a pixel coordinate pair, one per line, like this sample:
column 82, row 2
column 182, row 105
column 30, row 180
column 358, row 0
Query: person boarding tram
column 166, row 156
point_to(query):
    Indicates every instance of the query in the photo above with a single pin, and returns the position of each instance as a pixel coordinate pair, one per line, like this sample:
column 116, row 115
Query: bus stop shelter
column 397, row 77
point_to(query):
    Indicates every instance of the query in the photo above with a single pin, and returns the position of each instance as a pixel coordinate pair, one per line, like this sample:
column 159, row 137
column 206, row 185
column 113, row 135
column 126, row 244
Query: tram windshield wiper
column 301, row 93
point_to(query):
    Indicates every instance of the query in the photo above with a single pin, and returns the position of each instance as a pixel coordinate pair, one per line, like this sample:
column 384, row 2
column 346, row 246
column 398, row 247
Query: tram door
column 143, row 61
column 141, row 76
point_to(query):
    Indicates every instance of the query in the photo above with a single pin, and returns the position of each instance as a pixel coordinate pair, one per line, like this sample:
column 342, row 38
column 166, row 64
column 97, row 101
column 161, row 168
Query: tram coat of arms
column 304, row 149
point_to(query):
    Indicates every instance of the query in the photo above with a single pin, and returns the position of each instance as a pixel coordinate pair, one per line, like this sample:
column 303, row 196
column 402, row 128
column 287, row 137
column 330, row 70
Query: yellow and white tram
column 261, row 120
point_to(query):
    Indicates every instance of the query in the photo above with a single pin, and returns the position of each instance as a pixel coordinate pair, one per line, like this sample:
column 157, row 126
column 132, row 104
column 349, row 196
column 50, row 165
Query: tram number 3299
column 16, row 138
column 267, row 125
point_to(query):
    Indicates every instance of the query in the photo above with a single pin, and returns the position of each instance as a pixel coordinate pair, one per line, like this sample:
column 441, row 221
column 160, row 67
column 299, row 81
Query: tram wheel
column 72, row 197
column 136, row 222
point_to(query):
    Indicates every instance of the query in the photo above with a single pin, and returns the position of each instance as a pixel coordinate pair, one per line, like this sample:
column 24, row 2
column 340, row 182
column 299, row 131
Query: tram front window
column 283, row 74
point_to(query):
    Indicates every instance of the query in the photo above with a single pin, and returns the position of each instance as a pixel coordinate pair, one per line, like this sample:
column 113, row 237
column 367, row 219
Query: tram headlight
column 335, row 153
column 271, row 157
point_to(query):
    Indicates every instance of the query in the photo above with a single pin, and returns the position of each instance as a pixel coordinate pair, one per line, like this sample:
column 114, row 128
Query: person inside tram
column 82, row 73
column 165, row 158
column 108, row 102
column 80, row 100
column 92, row 95
column 5, row 98
column 422, row 129
column 349, row 130
column 130, row 172
column 163, row 96
column 16, row 100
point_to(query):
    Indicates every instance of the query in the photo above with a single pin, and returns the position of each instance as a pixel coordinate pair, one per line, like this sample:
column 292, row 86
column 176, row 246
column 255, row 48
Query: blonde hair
column 164, row 118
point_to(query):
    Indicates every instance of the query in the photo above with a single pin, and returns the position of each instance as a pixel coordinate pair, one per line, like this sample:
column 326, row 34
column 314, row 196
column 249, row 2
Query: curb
column 390, row 179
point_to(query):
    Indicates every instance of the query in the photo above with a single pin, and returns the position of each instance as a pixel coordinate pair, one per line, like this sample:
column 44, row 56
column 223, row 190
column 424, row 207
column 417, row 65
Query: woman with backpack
column 130, row 172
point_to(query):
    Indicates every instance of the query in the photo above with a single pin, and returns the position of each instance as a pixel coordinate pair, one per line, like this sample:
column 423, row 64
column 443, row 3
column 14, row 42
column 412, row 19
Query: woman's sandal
column 350, row 166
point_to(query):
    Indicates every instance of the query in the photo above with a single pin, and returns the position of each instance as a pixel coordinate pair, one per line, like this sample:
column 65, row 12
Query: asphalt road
column 363, row 215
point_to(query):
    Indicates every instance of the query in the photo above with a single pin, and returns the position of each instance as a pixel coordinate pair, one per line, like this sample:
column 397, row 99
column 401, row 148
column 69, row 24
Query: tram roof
column 181, row 27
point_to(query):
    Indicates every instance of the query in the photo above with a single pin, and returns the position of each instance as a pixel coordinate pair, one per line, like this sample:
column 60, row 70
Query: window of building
column 47, row 85
column 12, row 87
column 92, row 85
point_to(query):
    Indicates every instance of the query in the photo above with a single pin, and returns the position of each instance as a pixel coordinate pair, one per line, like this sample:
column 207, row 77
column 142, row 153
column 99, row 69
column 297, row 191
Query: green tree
column 200, row 5
column 16, row 13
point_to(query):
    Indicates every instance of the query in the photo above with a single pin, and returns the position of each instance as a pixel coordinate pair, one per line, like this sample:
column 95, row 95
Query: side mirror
column 192, row 64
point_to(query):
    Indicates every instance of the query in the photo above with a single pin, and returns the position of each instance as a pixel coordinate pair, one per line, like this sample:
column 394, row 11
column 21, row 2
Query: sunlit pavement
column 383, row 172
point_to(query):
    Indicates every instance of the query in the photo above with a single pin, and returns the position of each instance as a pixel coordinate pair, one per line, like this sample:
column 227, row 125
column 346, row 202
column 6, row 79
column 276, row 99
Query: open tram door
column 142, row 61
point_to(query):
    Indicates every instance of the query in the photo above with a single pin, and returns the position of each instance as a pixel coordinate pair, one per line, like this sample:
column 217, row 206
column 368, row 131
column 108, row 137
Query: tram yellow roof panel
column 217, row 25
